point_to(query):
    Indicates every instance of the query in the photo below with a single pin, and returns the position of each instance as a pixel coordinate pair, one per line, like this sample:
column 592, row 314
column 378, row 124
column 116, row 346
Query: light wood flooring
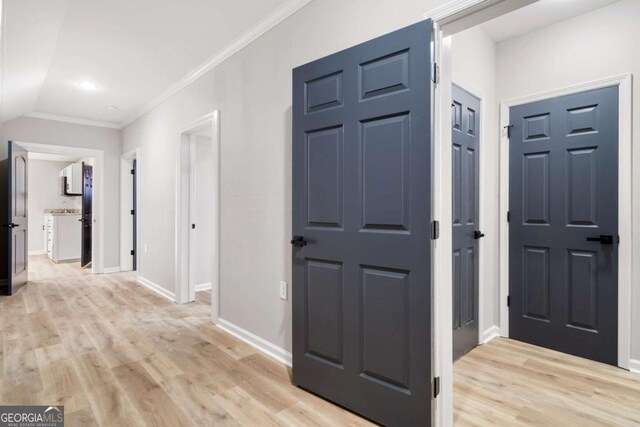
column 41, row 268
column 509, row 383
column 115, row 353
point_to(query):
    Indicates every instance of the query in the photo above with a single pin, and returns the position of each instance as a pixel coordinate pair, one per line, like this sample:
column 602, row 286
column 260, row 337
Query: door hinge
column 436, row 73
column 193, row 226
column 133, row 252
column 133, row 212
column 133, row 171
column 436, row 387
column 508, row 216
column 508, row 128
column 435, row 230
column 508, row 301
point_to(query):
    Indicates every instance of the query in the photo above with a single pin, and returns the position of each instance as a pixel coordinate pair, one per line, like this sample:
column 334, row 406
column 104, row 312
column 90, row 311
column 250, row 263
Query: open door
column 134, row 213
column 87, row 214
column 16, row 224
column 361, row 227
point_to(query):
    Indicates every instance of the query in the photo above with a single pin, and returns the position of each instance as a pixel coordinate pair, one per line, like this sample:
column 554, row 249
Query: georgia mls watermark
column 32, row 416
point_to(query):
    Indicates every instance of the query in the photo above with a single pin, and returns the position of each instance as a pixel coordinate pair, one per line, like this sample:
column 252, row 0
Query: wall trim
column 272, row 350
column 625, row 200
column 491, row 333
column 74, row 120
column 203, row 287
column 156, row 288
column 111, row 270
column 634, row 366
column 273, row 19
column 37, row 252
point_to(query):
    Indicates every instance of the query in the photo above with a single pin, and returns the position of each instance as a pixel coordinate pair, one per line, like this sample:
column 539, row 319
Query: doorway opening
column 130, row 188
column 481, row 44
column 197, row 216
column 59, row 190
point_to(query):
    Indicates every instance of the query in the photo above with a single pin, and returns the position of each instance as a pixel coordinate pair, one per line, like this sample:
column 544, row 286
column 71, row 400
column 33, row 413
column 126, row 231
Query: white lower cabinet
column 62, row 237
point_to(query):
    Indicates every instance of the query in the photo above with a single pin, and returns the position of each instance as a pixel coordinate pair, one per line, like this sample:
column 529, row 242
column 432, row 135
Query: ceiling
column 538, row 15
column 103, row 61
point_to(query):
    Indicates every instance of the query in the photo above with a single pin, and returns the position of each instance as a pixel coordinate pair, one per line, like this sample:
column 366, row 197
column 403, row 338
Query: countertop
column 62, row 212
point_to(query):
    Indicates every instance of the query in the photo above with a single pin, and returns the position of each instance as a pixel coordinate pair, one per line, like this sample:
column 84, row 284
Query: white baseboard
column 280, row 354
column 38, row 252
column 634, row 366
column 110, row 270
column 203, row 287
column 157, row 288
column 491, row 333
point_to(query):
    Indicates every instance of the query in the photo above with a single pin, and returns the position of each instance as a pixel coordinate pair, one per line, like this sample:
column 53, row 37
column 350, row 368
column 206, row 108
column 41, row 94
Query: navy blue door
column 361, row 226
column 563, row 233
column 465, row 136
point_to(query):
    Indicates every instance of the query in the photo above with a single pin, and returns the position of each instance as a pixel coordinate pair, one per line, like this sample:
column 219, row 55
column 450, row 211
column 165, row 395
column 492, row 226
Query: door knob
column 298, row 241
column 478, row 234
column 604, row 239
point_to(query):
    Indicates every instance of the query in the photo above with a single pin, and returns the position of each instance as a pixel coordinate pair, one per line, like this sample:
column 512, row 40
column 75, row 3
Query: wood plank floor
column 509, row 383
column 41, row 268
column 115, row 353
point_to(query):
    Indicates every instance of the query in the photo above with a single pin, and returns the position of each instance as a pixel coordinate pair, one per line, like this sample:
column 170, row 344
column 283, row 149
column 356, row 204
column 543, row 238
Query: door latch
column 478, row 234
column 298, row 241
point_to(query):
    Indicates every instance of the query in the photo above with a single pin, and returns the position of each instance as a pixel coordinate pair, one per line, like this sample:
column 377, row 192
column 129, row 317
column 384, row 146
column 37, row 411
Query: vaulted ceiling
column 104, row 60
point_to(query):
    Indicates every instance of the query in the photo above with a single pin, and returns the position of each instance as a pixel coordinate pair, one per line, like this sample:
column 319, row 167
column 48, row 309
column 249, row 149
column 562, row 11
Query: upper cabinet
column 71, row 180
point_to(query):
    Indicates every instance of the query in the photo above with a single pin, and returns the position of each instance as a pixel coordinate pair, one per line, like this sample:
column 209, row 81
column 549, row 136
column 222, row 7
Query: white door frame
column 126, row 198
column 184, row 199
column 625, row 197
column 97, row 229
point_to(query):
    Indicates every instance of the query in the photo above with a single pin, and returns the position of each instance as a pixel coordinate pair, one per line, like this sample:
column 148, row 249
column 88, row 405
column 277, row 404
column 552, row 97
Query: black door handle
column 478, row 234
column 298, row 241
column 604, row 239
column 12, row 225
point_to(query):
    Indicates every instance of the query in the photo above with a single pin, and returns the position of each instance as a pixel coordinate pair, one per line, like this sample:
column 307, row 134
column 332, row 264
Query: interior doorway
column 130, row 188
column 471, row 48
column 197, row 216
column 56, row 236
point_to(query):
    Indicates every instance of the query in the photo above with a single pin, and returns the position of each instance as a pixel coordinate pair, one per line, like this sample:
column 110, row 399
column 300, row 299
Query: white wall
column 27, row 129
column 203, row 210
column 43, row 194
column 473, row 63
column 591, row 46
column 252, row 90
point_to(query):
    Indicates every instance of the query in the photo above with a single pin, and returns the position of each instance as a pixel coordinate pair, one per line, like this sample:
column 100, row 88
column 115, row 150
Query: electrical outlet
column 283, row 290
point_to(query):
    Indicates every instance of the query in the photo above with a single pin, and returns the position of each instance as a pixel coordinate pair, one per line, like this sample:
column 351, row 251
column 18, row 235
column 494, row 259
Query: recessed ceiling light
column 111, row 107
column 86, row 85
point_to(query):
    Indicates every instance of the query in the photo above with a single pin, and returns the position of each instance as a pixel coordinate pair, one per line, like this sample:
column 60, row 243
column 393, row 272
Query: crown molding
column 279, row 15
column 74, row 120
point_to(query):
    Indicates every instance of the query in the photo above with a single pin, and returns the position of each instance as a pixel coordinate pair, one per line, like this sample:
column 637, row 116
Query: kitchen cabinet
column 62, row 237
column 71, row 180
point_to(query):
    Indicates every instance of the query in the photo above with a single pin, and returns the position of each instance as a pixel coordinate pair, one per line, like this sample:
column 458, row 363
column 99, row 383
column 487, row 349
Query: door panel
column 465, row 125
column 361, row 201
column 564, row 190
column 87, row 214
column 18, row 220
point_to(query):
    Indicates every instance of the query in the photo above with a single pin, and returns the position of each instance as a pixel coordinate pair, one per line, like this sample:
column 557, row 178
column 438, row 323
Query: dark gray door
column 564, row 224
column 134, row 213
column 17, row 237
column 465, row 124
column 87, row 214
column 361, row 208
